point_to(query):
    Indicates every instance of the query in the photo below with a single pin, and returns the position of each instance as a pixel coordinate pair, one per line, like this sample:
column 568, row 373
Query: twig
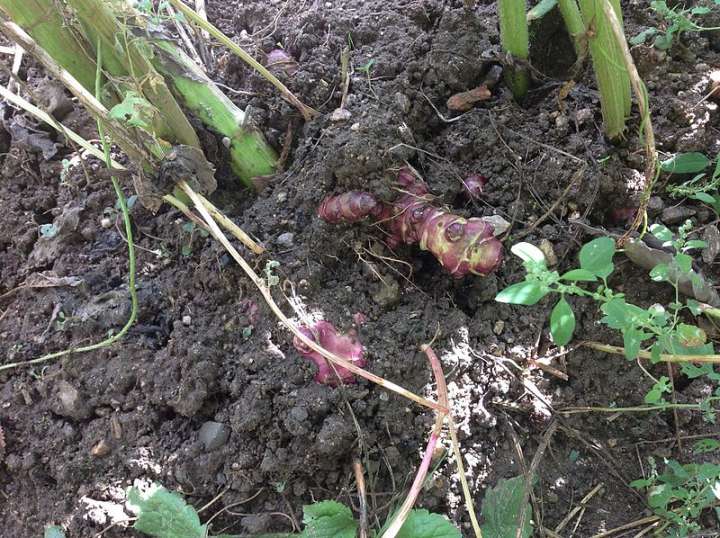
column 17, row 62
column 360, row 480
column 404, row 511
column 664, row 357
column 580, row 506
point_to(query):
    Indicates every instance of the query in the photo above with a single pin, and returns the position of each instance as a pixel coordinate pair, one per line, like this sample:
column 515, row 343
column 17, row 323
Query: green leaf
column 694, row 307
column 685, row 163
column 694, row 243
column 655, row 396
column 579, row 275
column 54, row 531
column 622, row 315
column 690, row 335
column 703, row 197
column 660, row 272
column 502, row 507
column 662, row 232
column 632, row 339
column 136, row 111
column 423, row 524
column 541, row 9
column 163, row 514
column 526, row 293
column 328, row 519
column 684, row 262
column 528, row 253
column 562, row 322
column 706, row 445
column 643, row 36
column 596, row 256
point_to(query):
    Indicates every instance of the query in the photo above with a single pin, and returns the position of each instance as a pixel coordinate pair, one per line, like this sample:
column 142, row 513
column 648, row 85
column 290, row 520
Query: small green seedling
column 659, row 328
column 164, row 514
column 191, row 228
column 677, row 21
column 681, row 493
column 700, row 187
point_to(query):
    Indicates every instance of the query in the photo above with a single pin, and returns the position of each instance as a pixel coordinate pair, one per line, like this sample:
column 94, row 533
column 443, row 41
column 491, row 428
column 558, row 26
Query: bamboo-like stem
column 610, row 71
column 575, row 26
column 515, row 40
column 96, row 14
column 307, row 112
column 46, row 24
column 664, row 357
column 646, row 128
column 267, row 295
column 251, row 156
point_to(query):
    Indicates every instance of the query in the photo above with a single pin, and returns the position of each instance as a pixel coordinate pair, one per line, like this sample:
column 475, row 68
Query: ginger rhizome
column 461, row 245
column 346, row 346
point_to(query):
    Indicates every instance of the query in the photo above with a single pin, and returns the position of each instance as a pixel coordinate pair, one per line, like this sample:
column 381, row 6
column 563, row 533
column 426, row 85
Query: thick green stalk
column 251, row 156
column 44, row 21
column 115, row 35
column 515, row 40
column 575, row 26
column 610, row 72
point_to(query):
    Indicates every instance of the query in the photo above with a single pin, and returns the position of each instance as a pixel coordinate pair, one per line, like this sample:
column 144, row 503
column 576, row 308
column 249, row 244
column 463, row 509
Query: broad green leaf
column 541, row 9
column 690, row 335
column 685, row 163
column 502, row 507
column 655, row 396
column 54, row 531
column 622, row 315
column 526, row 293
column 596, row 256
column 562, row 322
column 662, row 232
column 660, row 272
column 163, row 514
column 694, row 307
column 528, row 253
column 706, row 445
column 700, row 10
column 694, row 243
column 579, row 275
column 703, row 197
column 328, row 519
column 684, row 262
column 632, row 339
column 423, row 524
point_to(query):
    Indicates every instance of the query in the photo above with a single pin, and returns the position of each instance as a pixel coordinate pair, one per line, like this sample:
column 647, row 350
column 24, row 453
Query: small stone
column 388, row 292
column 286, row 240
column 499, row 327
column 187, row 320
column 547, row 249
column 677, row 214
column 655, row 205
column 711, row 236
column 72, row 403
column 101, row 449
column 561, row 122
column 340, row 114
column 106, row 222
column 583, row 115
column 281, row 196
column 355, row 126
column 213, row 435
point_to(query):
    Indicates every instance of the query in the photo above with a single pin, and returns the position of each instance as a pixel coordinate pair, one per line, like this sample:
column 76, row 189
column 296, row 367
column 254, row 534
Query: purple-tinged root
column 345, row 346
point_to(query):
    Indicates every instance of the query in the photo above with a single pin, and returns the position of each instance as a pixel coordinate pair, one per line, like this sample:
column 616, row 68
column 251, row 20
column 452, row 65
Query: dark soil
column 79, row 430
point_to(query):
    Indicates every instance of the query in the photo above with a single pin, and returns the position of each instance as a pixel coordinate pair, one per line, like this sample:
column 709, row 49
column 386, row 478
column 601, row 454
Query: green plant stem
column 610, row 72
column 575, row 26
column 43, row 20
column 515, row 40
column 113, row 33
column 307, row 112
column 251, row 156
